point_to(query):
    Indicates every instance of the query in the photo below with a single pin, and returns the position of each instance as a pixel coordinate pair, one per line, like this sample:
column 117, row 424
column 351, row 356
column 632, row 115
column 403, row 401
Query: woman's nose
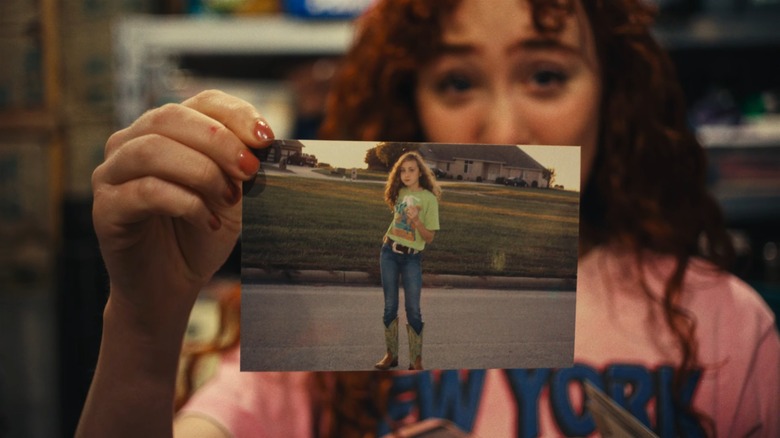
column 503, row 122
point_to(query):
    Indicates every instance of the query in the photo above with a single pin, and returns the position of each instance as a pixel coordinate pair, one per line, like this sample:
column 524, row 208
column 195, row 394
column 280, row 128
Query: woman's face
column 409, row 172
column 499, row 81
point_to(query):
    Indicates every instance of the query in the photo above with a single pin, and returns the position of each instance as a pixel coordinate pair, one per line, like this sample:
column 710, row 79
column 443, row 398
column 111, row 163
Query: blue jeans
column 409, row 268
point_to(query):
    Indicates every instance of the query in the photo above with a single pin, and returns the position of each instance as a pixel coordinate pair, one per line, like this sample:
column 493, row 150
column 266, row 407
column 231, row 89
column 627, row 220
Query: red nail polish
column 263, row 132
column 214, row 222
column 248, row 163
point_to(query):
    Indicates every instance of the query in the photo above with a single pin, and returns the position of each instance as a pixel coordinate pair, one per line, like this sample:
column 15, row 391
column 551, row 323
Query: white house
column 470, row 162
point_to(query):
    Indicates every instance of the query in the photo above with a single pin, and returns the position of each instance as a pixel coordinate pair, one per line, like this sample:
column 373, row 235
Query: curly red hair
column 373, row 95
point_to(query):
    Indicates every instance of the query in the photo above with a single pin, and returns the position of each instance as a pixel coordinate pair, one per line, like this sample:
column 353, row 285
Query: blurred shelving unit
column 31, row 167
column 148, row 49
column 734, row 57
column 717, row 31
column 728, row 60
column 31, row 112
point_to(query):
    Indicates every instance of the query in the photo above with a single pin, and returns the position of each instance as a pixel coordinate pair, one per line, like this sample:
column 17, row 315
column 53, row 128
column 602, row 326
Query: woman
column 412, row 194
column 661, row 327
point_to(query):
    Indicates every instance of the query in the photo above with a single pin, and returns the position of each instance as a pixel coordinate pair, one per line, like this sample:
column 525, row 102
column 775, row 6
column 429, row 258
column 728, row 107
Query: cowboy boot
column 415, row 347
column 391, row 341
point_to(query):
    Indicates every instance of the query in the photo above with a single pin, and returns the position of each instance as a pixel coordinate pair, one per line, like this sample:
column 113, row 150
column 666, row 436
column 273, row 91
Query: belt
column 401, row 249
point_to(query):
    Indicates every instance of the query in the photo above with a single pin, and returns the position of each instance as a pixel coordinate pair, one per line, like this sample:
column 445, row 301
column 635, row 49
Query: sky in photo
column 351, row 154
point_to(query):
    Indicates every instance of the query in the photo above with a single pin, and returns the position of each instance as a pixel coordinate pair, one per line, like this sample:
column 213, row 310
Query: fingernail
column 248, row 163
column 214, row 222
column 263, row 132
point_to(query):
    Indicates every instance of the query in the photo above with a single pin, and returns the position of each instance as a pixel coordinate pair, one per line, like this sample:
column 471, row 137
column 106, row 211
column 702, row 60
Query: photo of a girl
column 413, row 194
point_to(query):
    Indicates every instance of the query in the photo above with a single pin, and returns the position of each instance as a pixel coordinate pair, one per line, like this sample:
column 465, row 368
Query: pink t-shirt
column 622, row 345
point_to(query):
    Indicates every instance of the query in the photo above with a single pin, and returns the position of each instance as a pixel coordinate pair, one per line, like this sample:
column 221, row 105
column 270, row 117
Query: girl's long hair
column 394, row 183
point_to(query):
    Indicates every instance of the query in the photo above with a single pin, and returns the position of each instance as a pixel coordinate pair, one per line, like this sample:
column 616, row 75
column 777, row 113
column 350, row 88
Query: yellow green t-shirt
column 401, row 229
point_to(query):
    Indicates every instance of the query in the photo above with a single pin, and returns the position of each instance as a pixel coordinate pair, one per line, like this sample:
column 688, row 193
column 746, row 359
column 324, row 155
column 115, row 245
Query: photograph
column 375, row 255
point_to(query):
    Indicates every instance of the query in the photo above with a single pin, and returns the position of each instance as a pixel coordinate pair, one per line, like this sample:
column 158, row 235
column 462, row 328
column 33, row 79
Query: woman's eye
column 548, row 78
column 454, row 83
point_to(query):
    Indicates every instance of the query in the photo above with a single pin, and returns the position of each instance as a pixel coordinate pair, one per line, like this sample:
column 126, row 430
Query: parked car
column 302, row 160
column 515, row 182
column 438, row 172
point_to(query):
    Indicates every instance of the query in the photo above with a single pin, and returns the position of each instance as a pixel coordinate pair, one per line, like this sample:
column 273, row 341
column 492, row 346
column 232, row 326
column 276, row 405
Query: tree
column 373, row 160
column 390, row 152
column 549, row 175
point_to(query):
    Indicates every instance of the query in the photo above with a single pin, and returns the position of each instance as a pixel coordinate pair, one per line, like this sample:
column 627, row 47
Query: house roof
column 290, row 144
column 508, row 155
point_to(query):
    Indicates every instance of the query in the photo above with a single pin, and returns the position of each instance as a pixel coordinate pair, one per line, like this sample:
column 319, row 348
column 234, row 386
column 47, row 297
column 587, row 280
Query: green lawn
column 362, row 174
column 300, row 223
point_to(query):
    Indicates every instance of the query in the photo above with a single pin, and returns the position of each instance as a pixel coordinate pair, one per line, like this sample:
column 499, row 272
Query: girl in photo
column 412, row 194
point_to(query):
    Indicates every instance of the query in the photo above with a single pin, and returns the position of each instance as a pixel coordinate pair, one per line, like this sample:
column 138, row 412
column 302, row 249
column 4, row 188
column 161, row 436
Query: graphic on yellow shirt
column 402, row 226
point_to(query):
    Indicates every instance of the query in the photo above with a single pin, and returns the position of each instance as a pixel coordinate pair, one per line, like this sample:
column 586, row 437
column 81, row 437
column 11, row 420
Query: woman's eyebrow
column 543, row 44
column 457, row 49
column 534, row 44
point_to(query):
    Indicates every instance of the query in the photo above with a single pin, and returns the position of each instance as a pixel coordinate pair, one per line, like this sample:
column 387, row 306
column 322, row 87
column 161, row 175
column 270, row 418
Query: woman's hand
column 167, row 214
column 166, row 199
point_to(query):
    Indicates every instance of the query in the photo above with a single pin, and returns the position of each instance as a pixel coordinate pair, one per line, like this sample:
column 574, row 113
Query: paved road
column 302, row 171
column 294, row 327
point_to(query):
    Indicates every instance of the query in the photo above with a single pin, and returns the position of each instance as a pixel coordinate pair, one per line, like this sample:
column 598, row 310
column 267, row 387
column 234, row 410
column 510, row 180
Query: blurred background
column 71, row 73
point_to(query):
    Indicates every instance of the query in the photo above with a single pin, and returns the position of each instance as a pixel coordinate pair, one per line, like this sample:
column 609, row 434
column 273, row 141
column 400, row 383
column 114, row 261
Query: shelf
column 713, row 32
column 761, row 134
column 145, row 47
column 278, row 34
column 261, row 35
